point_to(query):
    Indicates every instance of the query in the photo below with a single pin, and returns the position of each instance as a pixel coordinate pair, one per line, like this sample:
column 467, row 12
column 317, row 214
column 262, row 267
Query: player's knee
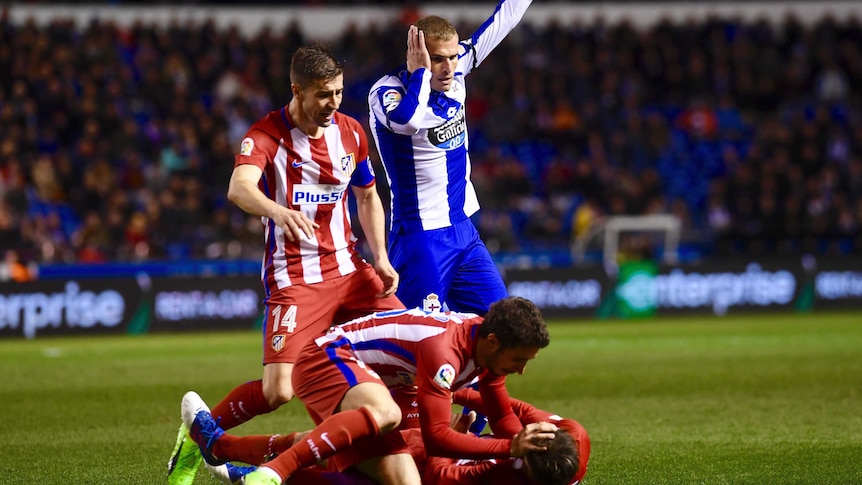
column 387, row 415
column 276, row 395
column 277, row 384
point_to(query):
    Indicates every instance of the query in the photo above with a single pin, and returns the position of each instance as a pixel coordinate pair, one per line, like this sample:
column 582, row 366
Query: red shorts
column 321, row 377
column 295, row 315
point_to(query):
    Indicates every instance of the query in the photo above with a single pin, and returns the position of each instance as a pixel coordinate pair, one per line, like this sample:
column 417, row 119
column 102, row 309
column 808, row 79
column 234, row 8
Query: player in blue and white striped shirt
column 419, row 125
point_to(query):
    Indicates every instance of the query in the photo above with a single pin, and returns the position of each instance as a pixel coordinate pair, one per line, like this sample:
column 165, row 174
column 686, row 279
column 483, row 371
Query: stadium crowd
column 117, row 143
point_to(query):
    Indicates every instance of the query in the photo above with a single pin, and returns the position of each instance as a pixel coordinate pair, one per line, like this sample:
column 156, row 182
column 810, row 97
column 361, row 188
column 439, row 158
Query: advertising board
column 128, row 305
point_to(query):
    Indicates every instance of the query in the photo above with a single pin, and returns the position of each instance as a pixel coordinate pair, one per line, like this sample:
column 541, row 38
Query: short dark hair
column 517, row 322
column 313, row 63
column 557, row 465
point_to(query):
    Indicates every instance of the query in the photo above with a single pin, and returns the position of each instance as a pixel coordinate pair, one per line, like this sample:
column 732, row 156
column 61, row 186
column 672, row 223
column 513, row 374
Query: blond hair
column 436, row 28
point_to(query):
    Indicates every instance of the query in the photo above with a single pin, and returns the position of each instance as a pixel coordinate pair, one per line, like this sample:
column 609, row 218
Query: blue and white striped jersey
column 421, row 134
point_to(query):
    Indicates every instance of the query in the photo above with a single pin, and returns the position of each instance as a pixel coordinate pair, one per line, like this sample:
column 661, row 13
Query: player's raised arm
column 488, row 36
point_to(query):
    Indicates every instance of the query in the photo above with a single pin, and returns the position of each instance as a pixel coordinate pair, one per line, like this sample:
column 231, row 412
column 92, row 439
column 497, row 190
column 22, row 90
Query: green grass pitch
column 732, row 400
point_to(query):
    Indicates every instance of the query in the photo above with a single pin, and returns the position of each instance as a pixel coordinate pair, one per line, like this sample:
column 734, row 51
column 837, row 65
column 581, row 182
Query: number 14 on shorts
column 287, row 320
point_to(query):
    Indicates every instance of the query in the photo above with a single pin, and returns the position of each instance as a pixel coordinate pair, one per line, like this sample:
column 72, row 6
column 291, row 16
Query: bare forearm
column 373, row 221
column 250, row 199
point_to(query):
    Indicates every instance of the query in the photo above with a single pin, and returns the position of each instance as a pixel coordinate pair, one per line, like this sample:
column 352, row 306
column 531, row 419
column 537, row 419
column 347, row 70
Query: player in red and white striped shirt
column 344, row 378
column 294, row 169
column 564, row 463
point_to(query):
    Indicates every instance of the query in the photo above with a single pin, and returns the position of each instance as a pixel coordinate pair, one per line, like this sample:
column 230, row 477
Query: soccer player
column 564, row 463
column 344, row 379
column 293, row 170
column 417, row 118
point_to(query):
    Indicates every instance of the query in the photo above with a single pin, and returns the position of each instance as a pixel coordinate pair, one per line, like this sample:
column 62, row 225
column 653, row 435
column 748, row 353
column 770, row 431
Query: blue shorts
column 451, row 263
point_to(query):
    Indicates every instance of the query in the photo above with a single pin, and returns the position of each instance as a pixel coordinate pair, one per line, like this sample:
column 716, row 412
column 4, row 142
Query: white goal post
column 611, row 228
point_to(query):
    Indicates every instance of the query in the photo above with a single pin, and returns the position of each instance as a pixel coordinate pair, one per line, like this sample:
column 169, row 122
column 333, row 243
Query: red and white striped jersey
column 312, row 176
column 396, row 343
column 433, row 353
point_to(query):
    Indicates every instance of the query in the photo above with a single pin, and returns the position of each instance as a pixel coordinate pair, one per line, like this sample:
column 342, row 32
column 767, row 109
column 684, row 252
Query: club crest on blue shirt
column 348, row 163
column 445, row 376
column 431, row 303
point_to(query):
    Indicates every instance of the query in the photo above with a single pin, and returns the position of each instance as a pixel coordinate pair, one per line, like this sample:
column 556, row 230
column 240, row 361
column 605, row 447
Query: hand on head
column 417, row 52
column 534, row 437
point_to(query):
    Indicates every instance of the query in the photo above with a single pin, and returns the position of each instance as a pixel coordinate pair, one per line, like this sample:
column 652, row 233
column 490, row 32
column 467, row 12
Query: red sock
column 254, row 449
column 243, row 403
column 332, row 435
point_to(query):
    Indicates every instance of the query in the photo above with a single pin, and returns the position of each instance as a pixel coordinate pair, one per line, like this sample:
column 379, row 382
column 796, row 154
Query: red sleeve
column 435, row 405
column 582, row 441
column 444, row 471
column 496, row 399
column 527, row 414
column 362, row 149
column 257, row 148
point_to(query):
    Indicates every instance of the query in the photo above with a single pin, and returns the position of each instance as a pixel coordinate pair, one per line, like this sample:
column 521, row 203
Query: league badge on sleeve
column 391, row 98
column 246, row 147
column 445, row 376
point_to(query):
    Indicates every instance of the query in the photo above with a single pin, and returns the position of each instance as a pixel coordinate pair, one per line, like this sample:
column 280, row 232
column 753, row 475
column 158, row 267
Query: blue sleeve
column 406, row 108
column 506, row 17
column 363, row 176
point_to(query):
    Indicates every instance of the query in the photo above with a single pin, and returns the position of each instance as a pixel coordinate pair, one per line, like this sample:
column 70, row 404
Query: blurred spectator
column 11, row 268
column 117, row 142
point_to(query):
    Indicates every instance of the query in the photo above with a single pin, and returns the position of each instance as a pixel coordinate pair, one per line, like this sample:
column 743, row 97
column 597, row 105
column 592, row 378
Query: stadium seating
column 117, row 144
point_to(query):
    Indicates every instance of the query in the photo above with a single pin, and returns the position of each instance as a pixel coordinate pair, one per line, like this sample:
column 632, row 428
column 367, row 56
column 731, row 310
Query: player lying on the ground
column 564, row 462
column 345, row 379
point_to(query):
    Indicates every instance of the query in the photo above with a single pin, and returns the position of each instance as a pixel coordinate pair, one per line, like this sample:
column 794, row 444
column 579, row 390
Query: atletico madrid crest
column 348, row 163
column 277, row 342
